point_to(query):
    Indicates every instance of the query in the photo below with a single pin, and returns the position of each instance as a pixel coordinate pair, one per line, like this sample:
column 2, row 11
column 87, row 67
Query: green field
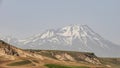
column 23, row 62
column 62, row 66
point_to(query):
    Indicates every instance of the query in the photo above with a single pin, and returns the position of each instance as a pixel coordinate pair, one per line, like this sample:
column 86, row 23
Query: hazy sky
column 23, row 18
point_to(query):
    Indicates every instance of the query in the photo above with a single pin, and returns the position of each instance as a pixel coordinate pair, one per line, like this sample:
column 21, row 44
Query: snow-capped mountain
column 73, row 37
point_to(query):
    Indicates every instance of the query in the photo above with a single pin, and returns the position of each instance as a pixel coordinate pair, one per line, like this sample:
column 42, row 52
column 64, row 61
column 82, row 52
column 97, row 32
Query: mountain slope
column 70, row 56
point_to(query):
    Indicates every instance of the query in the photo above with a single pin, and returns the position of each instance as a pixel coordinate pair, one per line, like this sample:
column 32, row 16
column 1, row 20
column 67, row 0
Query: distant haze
column 23, row 18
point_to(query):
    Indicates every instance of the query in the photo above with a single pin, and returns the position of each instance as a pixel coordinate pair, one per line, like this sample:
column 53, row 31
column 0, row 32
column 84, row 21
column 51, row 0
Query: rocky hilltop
column 10, row 52
column 70, row 56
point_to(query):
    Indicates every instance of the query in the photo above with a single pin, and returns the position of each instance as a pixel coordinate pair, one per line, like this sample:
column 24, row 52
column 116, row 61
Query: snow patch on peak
column 76, row 31
column 66, row 31
column 47, row 34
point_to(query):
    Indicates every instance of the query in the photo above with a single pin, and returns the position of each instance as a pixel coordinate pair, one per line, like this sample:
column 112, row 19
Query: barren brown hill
column 12, row 57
